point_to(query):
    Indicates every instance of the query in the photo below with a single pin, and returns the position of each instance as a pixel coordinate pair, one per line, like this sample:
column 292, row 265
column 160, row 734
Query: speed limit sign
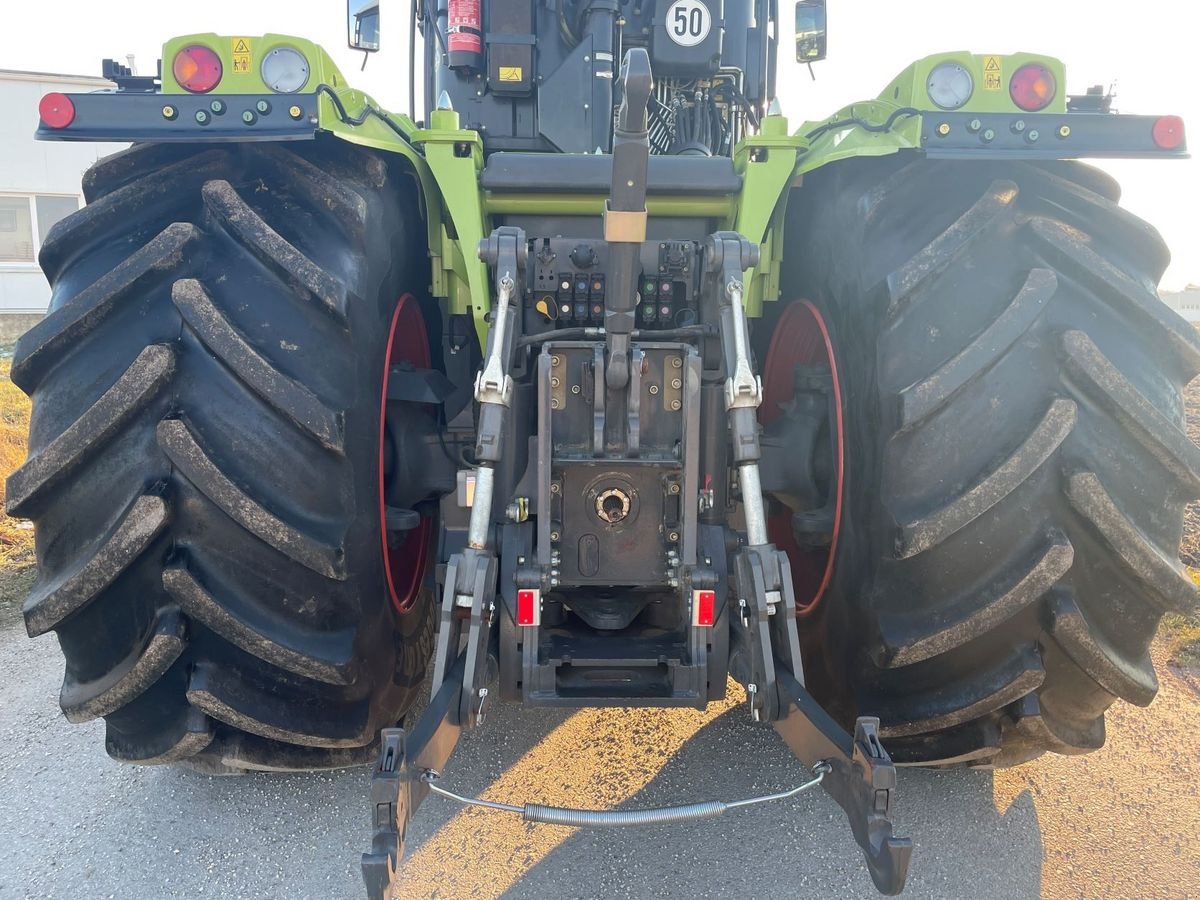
column 688, row 22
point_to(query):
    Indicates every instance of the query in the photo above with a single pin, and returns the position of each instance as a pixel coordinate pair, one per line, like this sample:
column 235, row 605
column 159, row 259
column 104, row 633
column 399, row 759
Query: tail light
column 57, row 110
column 1033, row 87
column 197, row 69
column 1168, row 133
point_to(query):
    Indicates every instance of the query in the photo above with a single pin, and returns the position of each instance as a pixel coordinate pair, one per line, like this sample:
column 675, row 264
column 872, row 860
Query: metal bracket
column 397, row 789
column 862, row 779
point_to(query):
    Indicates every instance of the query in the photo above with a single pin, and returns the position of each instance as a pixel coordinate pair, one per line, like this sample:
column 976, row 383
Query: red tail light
column 529, row 607
column 57, row 110
column 1033, row 87
column 1168, row 133
column 704, row 608
column 197, row 69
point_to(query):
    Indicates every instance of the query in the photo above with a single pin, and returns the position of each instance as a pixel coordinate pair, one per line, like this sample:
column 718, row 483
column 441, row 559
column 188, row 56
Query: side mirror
column 362, row 24
column 810, row 30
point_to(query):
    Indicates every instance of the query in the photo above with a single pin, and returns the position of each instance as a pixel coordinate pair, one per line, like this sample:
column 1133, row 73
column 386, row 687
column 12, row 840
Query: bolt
column 673, row 489
column 1018, row 126
column 169, row 112
column 217, row 106
column 676, row 362
column 988, row 136
column 202, row 117
column 554, row 404
column 673, row 536
column 629, row 183
column 249, row 117
column 1064, row 131
column 574, row 389
column 554, row 360
column 263, row 107
column 1033, row 136
column 295, row 112
column 653, row 389
column 675, row 404
column 943, row 129
column 676, row 383
column 587, row 59
column 554, row 573
column 555, row 487
column 554, row 382
column 520, row 560
column 974, row 125
column 554, row 535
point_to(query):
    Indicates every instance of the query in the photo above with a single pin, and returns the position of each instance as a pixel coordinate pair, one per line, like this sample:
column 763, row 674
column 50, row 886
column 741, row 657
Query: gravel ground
column 1121, row 823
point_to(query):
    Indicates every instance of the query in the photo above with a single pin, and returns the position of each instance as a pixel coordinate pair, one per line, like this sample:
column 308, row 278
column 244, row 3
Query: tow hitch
column 854, row 770
column 611, row 448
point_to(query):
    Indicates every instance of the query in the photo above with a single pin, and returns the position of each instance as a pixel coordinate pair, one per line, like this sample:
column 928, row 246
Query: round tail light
column 197, row 69
column 1033, row 87
column 1168, row 133
column 57, row 110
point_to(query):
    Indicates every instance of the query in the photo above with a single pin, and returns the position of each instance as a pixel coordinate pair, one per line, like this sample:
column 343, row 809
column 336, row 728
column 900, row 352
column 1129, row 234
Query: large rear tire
column 203, row 467
column 1016, row 463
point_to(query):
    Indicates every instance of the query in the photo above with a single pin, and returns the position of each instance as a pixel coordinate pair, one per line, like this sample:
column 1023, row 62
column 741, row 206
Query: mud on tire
column 203, row 464
column 1017, row 464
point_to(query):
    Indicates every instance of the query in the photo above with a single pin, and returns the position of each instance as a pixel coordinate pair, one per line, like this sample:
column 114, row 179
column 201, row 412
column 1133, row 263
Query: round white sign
column 688, row 22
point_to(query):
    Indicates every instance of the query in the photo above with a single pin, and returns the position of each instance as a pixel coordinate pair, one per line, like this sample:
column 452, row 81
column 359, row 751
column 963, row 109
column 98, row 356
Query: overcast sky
column 1147, row 47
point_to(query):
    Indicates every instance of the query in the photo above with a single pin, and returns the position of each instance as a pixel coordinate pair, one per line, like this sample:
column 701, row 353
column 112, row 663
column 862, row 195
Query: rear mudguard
column 446, row 160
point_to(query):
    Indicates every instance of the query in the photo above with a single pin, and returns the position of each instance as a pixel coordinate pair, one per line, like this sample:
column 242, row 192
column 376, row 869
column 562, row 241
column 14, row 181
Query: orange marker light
column 1033, row 87
column 197, row 69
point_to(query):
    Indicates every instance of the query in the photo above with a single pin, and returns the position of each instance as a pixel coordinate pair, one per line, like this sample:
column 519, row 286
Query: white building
column 39, row 184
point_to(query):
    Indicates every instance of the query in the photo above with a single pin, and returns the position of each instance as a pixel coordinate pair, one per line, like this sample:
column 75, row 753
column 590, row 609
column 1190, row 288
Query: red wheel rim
column 801, row 338
column 405, row 563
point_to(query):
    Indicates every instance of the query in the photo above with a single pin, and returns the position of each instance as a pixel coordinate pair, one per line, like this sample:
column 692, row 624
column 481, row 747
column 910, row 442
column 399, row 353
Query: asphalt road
column 1120, row 823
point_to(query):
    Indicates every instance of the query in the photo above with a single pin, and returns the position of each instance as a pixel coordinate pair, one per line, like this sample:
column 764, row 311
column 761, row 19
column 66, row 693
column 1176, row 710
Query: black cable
column 863, row 124
column 368, row 110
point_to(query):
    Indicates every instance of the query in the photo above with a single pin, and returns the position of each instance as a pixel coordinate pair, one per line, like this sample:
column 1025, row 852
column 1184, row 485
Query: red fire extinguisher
column 464, row 34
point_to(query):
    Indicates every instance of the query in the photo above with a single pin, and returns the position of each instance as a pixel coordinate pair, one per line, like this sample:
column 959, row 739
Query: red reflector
column 529, row 607
column 1168, row 132
column 1033, row 87
column 197, row 69
column 704, row 608
column 57, row 110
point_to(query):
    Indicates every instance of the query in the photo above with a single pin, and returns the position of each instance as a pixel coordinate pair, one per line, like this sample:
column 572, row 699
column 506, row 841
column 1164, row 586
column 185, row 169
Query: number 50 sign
column 688, row 22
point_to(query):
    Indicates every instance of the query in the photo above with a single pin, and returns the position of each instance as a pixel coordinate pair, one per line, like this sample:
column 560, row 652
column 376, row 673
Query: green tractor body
column 594, row 385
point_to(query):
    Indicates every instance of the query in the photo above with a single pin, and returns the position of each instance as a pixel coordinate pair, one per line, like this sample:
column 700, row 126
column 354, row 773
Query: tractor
column 591, row 381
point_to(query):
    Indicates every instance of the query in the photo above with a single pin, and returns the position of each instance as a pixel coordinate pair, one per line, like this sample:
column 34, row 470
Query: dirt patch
column 16, row 537
column 14, row 585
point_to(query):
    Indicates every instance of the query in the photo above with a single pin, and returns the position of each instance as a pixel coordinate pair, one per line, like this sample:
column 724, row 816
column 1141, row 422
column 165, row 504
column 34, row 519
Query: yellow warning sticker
column 510, row 73
column 240, row 46
column 993, row 73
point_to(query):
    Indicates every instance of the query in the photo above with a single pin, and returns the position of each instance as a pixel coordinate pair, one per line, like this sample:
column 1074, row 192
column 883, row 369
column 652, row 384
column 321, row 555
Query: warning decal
column 510, row 73
column 241, row 54
column 993, row 73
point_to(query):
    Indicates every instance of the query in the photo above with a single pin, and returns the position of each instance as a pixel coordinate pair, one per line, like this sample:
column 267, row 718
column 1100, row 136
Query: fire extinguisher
column 464, row 34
